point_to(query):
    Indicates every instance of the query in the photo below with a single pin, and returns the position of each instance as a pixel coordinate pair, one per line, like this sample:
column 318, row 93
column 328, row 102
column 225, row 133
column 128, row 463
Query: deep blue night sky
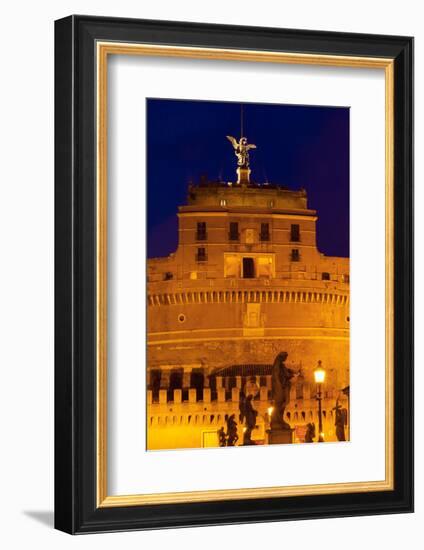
column 297, row 146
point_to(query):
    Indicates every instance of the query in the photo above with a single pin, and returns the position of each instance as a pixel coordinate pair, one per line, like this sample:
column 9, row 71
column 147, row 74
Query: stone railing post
column 206, row 395
column 192, row 395
column 178, row 396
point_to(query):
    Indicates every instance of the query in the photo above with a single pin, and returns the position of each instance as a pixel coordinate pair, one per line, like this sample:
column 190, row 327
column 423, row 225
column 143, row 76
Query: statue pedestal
column 243, row 175
column 280, row 436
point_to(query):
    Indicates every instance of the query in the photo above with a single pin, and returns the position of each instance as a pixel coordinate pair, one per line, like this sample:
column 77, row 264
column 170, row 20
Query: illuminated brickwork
column 245, row 283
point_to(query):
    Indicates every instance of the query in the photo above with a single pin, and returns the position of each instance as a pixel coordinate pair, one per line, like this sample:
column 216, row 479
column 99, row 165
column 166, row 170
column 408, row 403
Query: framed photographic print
column 233, row 274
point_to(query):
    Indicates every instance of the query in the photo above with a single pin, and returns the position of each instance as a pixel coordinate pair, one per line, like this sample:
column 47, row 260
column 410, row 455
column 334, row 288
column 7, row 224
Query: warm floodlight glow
column 319, row 374
column 270, row 411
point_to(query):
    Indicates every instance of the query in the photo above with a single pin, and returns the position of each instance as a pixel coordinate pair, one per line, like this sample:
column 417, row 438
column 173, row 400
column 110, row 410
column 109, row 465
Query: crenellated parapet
column 206, row 412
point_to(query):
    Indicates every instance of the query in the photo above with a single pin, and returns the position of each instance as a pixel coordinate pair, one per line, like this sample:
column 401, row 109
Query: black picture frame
column 76, row 510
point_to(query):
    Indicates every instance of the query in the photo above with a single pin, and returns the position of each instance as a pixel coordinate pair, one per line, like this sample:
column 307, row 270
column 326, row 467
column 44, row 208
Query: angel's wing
column 234, row 142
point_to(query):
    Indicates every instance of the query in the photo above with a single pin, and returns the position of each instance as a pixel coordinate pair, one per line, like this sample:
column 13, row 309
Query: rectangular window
column 248, row 268
column 325, row 276
column 201, row 231
column 295, row 255
column 234, row 231
column 201, row 255
column 264, row 234
column 345, row 278
column 295, row 233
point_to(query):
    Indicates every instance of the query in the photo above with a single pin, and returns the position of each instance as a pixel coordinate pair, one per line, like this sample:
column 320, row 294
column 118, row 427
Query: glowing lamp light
column 319, row 374
column 270, row 411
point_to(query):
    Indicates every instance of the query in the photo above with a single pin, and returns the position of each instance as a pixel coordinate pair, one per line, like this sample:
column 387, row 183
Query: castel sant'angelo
column 246, row 283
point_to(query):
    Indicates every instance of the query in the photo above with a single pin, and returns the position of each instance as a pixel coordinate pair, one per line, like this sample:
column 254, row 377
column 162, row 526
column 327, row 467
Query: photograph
column 233, row 273
column 247, row 290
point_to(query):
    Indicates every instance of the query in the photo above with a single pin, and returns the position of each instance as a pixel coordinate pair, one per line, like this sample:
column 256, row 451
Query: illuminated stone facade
column 245, row 283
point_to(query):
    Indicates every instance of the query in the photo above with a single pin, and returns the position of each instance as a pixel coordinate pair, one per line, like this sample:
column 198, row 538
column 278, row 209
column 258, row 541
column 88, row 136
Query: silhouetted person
column 250, row 415
column 232, row 436
column 222, row 437
column 310, row 432
column 242, row 407
column 340, row 421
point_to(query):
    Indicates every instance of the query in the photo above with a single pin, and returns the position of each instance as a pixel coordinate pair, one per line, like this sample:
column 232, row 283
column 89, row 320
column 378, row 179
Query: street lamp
column 319, row 375
column 270, row 410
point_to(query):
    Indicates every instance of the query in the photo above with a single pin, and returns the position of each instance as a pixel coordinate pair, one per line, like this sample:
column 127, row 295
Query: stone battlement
column 208, row 415
column 220, row 395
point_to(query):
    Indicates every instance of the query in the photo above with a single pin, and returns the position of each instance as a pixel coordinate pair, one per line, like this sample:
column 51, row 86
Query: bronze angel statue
column 241, row 150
